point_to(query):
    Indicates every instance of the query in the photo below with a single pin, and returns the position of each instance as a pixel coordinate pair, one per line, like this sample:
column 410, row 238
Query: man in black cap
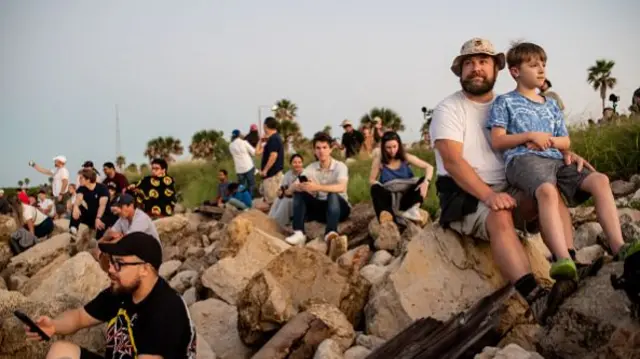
column 146, row 318
column 131, row 219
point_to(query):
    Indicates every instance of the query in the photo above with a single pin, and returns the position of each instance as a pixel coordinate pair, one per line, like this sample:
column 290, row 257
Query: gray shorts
column 474, row 224
column 528, row 172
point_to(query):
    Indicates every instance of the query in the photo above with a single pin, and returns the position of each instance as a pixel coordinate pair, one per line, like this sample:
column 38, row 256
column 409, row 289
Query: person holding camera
column 282, row 209
column 60, row 184
column 320, row 194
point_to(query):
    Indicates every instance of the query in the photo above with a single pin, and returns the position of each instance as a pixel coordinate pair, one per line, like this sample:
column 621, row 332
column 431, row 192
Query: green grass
column 612, row 149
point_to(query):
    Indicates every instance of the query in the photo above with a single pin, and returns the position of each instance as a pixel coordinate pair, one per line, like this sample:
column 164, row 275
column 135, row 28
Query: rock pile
column 251, row 295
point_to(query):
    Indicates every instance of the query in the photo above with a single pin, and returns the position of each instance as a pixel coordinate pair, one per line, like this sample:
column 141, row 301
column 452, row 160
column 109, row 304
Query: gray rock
column 589, row 254
column 172, row 253
column 622, row 188
column 587, row 235
column 328, row 349
column 184, row 280
column 388, row 237
column 635, row 179
column 17, row 281
column 205, row 241
column 511, row 351
column 373, row 273
column 356, row 352
column 370, row 342
column 193, row 264
column 381, row 258
column 169, row 268
column 630, row 232
column 196, row 252
column 190, row 296
column 3, row 285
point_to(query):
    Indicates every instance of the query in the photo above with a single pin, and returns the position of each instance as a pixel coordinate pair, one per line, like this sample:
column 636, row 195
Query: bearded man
column 146, row 318
column 475, row 198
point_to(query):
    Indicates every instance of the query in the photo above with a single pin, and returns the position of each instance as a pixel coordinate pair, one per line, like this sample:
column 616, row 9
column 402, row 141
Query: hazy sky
column 174, row 69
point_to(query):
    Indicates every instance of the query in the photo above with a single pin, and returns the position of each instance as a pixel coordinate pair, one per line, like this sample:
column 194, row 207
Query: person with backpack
column 31, row 223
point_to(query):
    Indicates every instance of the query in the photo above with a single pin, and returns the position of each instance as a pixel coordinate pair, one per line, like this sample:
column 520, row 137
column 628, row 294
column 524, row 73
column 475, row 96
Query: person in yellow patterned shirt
column 156, row 194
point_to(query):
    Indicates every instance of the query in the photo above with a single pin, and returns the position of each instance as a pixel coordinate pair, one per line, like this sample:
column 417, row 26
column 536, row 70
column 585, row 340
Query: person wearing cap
column 272, row 161
column 351, row 140
column 546, row 92
column 475, row 199
column 144, row 316
column 242, row 153
column 60, row 183
column 253, row 137
column 131, row 219
column 5, row 208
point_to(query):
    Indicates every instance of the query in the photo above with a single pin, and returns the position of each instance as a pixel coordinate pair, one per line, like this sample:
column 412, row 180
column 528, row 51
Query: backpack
column 21, row 240
column 629, row 281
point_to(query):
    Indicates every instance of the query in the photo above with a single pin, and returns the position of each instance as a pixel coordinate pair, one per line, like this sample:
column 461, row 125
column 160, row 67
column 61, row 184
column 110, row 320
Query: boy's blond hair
column 523, row 52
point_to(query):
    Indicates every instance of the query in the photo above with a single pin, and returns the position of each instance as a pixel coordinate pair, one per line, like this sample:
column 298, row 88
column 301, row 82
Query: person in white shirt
column 60, row 184
column 46, row 205
column 242, row 153
column 28, row 217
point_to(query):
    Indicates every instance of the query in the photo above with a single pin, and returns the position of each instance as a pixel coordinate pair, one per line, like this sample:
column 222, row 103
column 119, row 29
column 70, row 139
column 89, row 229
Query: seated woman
column 239, row 196
column 395, row 193
column 282, row 209
column 31, row 219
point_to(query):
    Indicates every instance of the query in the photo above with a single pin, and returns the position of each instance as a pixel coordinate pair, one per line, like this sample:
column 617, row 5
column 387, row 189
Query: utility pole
column 118, row 149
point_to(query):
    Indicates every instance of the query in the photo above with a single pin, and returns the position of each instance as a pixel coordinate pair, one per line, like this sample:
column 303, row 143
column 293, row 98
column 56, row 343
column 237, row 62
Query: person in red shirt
column 112, row 176
column 23, row 196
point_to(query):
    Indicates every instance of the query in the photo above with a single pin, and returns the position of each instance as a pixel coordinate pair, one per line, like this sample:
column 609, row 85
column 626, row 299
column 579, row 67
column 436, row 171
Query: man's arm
column 461, row 171
column 102, row 205
column 73, row 320
column 339, row 187
column 47, row 210
column 249, row 148
column 42, row 170
column 148, row 356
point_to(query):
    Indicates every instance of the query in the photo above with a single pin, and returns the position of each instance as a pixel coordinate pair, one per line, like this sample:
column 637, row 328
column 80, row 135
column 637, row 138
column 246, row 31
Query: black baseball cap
column 123, row 199
column 140, row 244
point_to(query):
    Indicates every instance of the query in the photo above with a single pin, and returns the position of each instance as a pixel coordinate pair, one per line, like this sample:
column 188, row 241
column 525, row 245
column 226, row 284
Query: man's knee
column 62, row 349
column 547, row 192
column 498, row 223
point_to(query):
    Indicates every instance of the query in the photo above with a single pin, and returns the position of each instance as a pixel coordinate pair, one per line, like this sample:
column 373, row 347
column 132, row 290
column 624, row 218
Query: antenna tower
column 118, row 149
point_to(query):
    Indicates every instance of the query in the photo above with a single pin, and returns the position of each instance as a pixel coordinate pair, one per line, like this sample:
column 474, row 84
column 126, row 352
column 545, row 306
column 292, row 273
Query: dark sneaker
column 627, row 250
column 564, row 269
column 589, row 270
column 537, row 300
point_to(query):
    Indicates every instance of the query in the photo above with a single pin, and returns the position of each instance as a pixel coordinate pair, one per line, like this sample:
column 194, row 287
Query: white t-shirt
column 31, row 212
column 336, row 172
column 459, row 119
column 45, row 204
column 241, row 151
column 58, row 175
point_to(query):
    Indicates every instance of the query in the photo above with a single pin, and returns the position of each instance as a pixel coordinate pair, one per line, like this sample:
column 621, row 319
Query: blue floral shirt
column 518, row 114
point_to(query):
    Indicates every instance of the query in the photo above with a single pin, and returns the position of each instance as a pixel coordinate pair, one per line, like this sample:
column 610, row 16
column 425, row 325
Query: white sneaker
column 296, row 239
column 413, row 214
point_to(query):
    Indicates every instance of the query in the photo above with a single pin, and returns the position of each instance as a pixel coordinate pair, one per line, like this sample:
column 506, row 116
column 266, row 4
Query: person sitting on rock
column 320, row 194
column 531, row 131
column 145, row 317
column 31, row 219
column 475, row 199
column 239, row 196
column 130, row 219
column 395, row 193
column 5, row 207
column 156, row 194
column 223, row 183
column 91, row 203
column 282, row 209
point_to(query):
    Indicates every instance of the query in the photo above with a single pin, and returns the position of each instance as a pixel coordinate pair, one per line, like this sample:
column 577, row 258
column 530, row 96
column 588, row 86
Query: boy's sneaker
column 564, row 269
column 296, row 239
column 627, row 250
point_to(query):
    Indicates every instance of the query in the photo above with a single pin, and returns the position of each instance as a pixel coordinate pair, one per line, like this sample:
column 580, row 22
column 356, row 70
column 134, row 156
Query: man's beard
column 118, row 288
column 470, row 86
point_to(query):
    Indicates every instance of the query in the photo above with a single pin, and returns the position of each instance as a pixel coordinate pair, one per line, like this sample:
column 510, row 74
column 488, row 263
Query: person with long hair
column 282, row 209
column 31, row 219
column 394, row 190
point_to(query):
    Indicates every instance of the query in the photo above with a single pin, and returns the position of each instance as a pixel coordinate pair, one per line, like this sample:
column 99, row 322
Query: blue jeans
column 248, row 180
column 331, row 211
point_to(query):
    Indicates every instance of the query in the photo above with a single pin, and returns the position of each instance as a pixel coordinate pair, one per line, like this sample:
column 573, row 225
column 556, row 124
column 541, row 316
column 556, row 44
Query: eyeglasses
column 117, row 265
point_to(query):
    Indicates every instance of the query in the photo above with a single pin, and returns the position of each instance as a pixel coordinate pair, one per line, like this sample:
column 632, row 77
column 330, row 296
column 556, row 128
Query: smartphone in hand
column 31, row 324
column 303, row 179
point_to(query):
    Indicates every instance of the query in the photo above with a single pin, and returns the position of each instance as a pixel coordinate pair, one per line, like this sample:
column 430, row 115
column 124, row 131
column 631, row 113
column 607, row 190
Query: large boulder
column 61, row 225
column 587, row 235
column 621, row 188
column 37, row 279
column 242, row 226
column 594, row 323
column 301, row 336
column 629, row 215
column 13, row 344
column 230, row 275
column 216, row 323
column 7, row 226
column 297, row 277
column 173, row 229
column 35, row 258
column 80, row 277
column 440, row 274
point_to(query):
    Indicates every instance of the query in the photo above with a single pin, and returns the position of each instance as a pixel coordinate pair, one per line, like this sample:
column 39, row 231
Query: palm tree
column 120, row 162
column 600, row 78
column 20, row 183
column 164, row 147
column 27, row 181
column 427, row 121
column 390, row 119
column 285, row 110
column 209, row 145
column 327, row 129
column 132, row 168
column 288, row 129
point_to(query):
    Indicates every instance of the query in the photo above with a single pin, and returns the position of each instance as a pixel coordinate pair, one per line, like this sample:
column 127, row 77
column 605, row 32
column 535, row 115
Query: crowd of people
column 504, row 167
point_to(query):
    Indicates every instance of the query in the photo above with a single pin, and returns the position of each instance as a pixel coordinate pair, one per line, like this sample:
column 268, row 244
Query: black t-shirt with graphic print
column 158, row 325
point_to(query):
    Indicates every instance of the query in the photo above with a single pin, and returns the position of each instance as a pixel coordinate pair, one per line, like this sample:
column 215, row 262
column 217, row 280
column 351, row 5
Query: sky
column 174, row 69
